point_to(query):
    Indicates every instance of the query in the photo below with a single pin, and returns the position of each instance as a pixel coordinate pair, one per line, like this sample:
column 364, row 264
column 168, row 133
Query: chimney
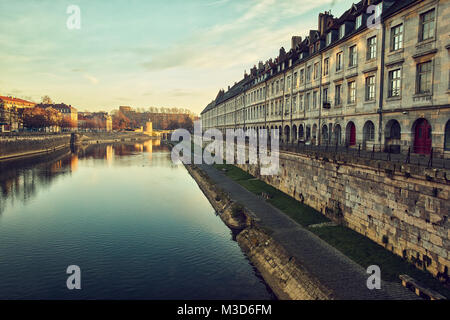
column 323, row 21
column 295, row 41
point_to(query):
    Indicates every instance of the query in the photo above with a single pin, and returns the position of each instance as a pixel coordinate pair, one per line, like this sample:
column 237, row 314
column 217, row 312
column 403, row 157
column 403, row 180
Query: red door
column 352, row 134
column 422, row 137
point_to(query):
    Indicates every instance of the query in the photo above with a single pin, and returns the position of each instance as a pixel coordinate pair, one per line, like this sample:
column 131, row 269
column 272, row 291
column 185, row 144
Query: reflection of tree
column 20, row 180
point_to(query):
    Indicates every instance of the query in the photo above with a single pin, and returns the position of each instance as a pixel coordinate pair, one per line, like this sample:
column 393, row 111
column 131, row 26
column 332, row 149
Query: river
column 137, row 225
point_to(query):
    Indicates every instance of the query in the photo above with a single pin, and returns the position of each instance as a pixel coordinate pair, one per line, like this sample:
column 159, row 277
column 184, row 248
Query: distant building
column 10, row 112
column 159, row 120
column 69, row 114
column 94, row 122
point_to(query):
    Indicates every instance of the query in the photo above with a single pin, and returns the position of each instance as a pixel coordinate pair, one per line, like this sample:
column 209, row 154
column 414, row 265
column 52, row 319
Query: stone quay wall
column 402, row 207
column 286, row 276
column 19, row 146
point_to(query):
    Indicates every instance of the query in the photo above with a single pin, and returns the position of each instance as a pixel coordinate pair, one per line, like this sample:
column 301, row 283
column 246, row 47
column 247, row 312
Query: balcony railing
column 420, row 156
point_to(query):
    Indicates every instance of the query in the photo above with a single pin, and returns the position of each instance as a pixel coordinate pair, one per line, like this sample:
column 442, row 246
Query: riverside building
column 353, row 83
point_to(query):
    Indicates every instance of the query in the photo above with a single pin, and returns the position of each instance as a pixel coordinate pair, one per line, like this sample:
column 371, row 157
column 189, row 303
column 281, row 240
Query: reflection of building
column 346, row 83
column 10, row 112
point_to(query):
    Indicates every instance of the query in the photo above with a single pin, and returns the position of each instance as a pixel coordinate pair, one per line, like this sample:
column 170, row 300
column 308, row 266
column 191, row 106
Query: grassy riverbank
column 360, row 249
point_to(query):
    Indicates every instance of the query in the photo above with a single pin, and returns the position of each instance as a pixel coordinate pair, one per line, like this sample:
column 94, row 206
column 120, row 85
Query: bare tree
column 46, row 100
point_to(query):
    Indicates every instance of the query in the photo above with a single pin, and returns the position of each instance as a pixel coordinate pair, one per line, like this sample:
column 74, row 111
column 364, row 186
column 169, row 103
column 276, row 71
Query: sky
column 143, row 53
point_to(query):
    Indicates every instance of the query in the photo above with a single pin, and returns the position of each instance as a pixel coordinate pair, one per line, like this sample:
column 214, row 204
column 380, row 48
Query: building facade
column 94, row 122
column 69, row 115
column 10, row 113
column 377, row 76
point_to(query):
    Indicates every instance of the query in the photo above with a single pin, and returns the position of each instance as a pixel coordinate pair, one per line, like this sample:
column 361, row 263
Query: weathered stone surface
column 402, row 207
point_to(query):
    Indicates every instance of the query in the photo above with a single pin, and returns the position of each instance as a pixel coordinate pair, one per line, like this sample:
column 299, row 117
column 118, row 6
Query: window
column 395, row 83
column 397, row 37
column 352, row 92
column 447, row 136
column 277, row 86
column 288, row 83
column 326, row 66
column 338, row 95
column 308, row 73
column 370, row 88
column 315, row 99
column 342, row 31
column 427, row 25
column 325, row 95
column 339, row 61
column 372, row 48
column 302, row 76
column 295, row 80
column 358, row 22
column 353, row 56
column 300, row 102
column 369, row 131
column 308, row 99
column 316, row 70
column 424, row 73
column 294, row 103
column 329, row 38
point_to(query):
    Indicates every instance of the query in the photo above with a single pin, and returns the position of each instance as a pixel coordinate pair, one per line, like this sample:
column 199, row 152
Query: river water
column 137, row 225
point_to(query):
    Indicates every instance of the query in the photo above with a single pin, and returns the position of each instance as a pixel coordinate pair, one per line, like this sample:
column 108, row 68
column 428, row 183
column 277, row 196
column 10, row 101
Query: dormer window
column 328, row 38
column 279, row 68
column 301, row 55
column 290, row 62
column 282, row 66
column 358, row 22
column 342, row 31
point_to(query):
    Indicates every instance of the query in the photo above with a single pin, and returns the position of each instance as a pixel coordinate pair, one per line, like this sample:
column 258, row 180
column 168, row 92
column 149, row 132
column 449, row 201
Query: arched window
column 447, row 136
column 308, row 132
column 369, row 131
column 287, row 133
column 325, row 134
column 300, row 132
column 393, row 130
column 337, row 134
column 294, row 133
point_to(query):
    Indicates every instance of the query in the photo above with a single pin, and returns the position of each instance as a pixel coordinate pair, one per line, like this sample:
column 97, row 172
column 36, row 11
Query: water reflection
column 138, row 226
column 19, row 179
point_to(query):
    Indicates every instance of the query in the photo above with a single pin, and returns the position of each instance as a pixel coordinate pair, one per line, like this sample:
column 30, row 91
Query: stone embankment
column 284, row 275
column 25, row 145
column 22, row 146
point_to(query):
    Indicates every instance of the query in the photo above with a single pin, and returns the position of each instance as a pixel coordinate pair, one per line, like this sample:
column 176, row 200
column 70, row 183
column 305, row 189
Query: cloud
column 262, row 26
column 92, row 79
